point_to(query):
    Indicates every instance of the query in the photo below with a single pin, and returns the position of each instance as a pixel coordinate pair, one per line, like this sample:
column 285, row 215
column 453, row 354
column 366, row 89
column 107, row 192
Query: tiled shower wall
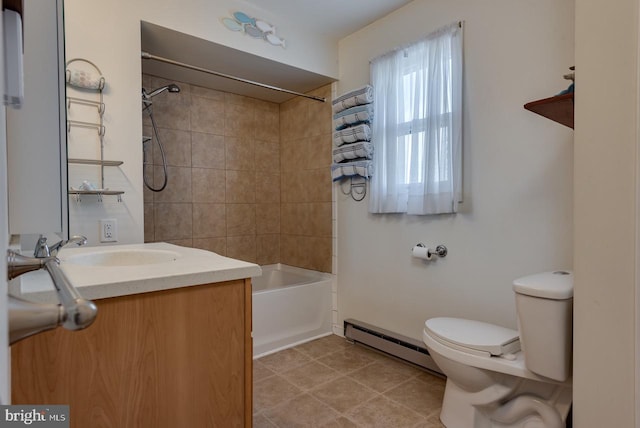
column 305, row 146
column 224, row 192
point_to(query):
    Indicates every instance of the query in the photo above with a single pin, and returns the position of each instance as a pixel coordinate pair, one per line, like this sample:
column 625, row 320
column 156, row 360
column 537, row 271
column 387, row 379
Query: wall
column 516, row 218
column 606, row 215
column 306, row 140
column 223, row 156
column 94, row 28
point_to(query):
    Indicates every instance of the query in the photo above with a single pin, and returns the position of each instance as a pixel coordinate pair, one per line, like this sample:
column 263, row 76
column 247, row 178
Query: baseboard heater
column 390, row 343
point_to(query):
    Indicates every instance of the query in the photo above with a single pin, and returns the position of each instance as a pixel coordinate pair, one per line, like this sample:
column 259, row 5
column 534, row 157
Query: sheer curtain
column 417, row 130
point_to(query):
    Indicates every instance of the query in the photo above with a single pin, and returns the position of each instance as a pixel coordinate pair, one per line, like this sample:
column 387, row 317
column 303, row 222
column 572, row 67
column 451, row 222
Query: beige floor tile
column 345, row 360
column 330, row 383
column 430, row 378
column 260, row 421
column 271, row 392
column 381, row 377
column 384, row 413
column 431, row 422
column 324, row 346
column 302, row 411
column 343, row 394
column 310, row 375
column 423, row 397
column 404, row 366
column 371, row 354
column 283, row 361
column 340, row 422
column 260, row 372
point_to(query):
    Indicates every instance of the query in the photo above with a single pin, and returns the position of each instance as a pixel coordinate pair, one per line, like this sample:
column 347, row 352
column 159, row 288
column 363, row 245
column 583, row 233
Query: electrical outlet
column 109, row 230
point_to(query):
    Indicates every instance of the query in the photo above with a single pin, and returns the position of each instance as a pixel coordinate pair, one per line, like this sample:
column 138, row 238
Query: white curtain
column 417, row 129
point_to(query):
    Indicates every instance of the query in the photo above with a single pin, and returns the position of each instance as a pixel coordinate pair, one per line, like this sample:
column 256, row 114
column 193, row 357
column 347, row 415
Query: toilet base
column 460, row 409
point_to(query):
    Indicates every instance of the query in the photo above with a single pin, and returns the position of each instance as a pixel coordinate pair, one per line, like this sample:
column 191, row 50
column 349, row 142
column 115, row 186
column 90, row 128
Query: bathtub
column 290, row 306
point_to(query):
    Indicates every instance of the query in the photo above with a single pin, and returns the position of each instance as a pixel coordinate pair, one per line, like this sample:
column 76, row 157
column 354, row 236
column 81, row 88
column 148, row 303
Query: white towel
column 363, row 95
column 351, row 135
column 363, row 168
column 361, row 149
column 84, row 79
column 353, row 116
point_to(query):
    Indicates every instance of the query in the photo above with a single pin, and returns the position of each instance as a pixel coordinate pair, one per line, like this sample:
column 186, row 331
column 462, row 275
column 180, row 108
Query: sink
column 122, row 257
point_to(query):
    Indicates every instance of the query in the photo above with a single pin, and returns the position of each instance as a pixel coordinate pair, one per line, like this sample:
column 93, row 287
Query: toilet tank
column 544, row 303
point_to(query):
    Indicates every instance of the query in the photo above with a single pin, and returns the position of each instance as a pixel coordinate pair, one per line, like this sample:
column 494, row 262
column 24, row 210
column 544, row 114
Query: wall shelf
column 77, row 79
column 558, row 108
column 95, row 162
column 99, row 193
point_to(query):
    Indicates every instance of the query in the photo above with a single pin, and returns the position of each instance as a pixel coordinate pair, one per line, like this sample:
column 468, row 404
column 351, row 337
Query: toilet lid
column 469, row 335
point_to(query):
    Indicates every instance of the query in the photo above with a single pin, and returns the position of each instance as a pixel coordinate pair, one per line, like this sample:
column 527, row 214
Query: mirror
column 36, row 133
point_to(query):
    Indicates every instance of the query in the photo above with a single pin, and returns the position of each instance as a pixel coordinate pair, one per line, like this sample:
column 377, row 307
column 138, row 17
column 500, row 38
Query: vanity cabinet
column 163, row 359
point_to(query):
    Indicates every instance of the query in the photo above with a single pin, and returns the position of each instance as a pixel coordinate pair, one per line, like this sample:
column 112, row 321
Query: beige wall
column 606, row 214
column 248, row 179
column 516, row 218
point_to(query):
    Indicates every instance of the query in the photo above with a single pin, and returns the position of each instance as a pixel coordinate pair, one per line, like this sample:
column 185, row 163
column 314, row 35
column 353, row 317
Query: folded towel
column 363, row 95
column 363, row 168
column 353, row 116
column 351, row 135
column 84, row 79
column 361, row 149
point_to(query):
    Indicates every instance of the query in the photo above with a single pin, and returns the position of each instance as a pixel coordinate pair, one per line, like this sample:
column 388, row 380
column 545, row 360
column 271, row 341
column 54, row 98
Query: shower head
column 171, row 88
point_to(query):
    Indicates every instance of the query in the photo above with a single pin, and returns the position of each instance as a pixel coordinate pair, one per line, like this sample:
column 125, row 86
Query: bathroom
column 531, row 202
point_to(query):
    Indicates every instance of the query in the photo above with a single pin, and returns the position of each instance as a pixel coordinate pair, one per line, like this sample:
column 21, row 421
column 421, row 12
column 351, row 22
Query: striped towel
column 363, row 168
column 363, row 95
column 361, row 149
column 353, row 116
column 351, row 135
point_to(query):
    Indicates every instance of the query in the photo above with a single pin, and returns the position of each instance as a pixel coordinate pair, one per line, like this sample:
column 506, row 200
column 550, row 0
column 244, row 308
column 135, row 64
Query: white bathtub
column 290, row 306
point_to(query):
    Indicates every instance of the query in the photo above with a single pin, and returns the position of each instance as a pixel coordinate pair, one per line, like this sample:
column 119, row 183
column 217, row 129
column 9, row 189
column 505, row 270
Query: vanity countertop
column 125, row 273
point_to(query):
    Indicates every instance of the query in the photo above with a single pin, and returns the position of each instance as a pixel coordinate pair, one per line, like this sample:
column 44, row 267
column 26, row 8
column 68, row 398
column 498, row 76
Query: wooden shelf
column 558, row 108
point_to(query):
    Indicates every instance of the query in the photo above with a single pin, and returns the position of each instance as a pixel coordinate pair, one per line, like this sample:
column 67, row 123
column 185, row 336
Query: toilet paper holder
column 440, row 251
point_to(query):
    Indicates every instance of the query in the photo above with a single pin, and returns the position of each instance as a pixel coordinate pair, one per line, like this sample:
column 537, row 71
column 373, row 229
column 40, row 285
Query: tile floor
column 331, row 383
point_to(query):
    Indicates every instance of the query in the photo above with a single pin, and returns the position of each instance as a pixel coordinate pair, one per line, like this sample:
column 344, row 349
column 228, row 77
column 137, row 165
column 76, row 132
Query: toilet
column 498, row 377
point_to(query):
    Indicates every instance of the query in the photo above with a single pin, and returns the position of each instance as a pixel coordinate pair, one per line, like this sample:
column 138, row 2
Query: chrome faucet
column 43, row 250
column 28, row 318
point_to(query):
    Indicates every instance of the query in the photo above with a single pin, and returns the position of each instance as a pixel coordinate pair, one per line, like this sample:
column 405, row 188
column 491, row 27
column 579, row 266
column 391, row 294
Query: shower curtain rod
column 146, row 55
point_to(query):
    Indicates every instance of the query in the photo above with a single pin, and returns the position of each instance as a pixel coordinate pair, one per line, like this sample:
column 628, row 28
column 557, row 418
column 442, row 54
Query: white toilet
column 499, row 378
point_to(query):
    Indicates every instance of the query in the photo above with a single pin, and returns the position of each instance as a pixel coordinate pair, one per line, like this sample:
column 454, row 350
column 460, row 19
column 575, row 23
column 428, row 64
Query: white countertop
column 189, row 267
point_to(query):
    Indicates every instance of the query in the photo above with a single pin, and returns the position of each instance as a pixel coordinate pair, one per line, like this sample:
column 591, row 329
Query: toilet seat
column 473, row 337
column 512, row 366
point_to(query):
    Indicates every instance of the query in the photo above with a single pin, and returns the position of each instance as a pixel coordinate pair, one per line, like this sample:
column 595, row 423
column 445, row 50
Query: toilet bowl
column 499, row 377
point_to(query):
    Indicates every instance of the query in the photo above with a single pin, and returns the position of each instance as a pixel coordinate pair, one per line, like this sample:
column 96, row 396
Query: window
column 417, row 131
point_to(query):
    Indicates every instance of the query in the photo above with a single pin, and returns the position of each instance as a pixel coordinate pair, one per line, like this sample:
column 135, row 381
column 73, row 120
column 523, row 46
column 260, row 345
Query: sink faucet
column 43, row 250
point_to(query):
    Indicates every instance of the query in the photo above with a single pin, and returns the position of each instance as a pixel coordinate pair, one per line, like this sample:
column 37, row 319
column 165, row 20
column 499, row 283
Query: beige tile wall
column 248, row 179
column 305, row 146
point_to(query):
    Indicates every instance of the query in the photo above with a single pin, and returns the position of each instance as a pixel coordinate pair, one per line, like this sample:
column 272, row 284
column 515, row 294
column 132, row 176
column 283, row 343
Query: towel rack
column 98, row 104
column 357, row 190
column 100, row 128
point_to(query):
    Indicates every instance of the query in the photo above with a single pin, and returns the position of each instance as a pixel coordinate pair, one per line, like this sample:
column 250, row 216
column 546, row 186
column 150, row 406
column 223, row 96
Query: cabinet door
column 177, row 358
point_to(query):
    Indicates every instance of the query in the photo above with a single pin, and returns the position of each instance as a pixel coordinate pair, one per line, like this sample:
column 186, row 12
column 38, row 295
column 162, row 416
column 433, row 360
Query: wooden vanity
column 179, row 357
